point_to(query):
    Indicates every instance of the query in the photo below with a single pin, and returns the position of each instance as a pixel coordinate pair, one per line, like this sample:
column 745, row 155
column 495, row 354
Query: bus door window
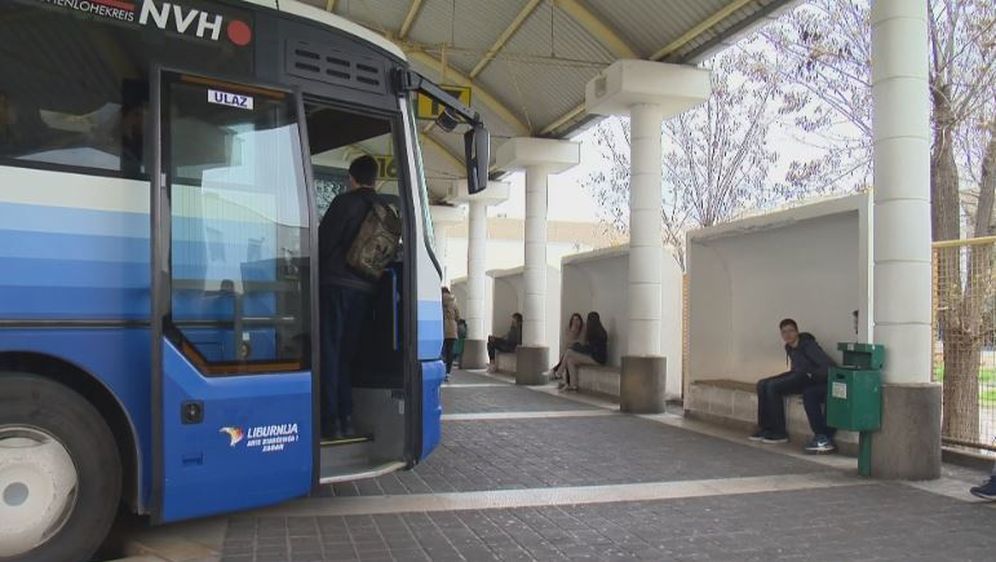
column 239, row 223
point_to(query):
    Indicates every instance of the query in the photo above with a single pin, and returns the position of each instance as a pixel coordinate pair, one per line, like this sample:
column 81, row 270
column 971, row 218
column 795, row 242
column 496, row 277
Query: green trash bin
column 854, row 399
column 854, row 395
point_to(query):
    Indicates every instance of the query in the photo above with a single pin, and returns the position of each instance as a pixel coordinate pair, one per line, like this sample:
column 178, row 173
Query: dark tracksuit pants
column 771, row 406
column 448, row 353
column 499, row 344
column 344, row 312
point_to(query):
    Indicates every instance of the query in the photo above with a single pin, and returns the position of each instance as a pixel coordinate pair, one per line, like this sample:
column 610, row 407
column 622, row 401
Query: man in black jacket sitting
column 807, row 376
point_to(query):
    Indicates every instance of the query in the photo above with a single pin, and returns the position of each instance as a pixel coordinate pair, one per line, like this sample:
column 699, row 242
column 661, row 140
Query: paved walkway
column 528, row 474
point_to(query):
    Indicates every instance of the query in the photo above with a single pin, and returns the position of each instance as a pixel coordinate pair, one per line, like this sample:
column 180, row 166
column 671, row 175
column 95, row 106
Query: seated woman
column 507, row 344
column 574, row 334
column 594, row 351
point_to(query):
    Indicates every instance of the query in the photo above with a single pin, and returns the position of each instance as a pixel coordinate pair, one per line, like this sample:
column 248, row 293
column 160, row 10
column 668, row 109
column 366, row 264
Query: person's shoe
column 345, row 427
column 772, row 438
column 446, row 379
column 986, row 491
column 820, row 444
column 757, row 435
column 562, row 385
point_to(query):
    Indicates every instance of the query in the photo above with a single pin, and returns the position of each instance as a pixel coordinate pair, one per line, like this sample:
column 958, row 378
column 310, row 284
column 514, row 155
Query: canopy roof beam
column 499, row 44
column 597, row 28
column 669, row 49
column 413, row 10
column 702, row 27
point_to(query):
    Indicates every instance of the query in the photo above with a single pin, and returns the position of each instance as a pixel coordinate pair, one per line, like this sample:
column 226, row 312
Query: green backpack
column 376, row 243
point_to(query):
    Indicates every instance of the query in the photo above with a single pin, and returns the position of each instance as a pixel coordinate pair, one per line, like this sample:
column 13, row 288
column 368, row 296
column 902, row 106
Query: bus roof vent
column 335, row 66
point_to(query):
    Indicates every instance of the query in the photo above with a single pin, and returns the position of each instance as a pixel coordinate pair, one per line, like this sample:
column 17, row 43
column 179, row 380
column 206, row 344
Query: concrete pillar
column 539, row 158
column 908, row 446
column 647, row 92
column 534, row 274
column 475, row 347
column 445, row 217
column 646, row 242
column 475, row 352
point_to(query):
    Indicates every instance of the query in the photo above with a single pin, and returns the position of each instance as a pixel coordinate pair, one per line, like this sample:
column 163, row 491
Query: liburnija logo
column 235, row 435
column 268, row 438
column 167, row 16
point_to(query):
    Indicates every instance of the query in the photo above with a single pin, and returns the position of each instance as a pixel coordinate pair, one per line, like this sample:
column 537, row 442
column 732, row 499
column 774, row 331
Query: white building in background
column 505, row 251
column 505, row 243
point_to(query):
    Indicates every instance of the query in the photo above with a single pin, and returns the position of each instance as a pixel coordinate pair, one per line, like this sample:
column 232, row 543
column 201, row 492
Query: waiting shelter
column 596, row 281
column 641, row 64
column 509, row 297
column 811, row 263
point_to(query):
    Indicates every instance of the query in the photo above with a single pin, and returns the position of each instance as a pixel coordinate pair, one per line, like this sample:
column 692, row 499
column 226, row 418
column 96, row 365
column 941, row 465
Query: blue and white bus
column 163, row 168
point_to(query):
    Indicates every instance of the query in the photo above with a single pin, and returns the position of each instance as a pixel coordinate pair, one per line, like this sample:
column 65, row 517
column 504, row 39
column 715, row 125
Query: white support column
column 908, row 446
column 648, row 92
column 901, row 159
column 646, row 242
column 444, row 217
column 477, row 239
column 534, row 308
column 539, row 158
column 475, row 347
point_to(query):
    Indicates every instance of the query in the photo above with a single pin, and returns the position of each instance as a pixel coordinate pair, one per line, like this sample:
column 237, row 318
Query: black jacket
column 600, row 348
column 514, row 335
column 809, row 358
column 596, row 346
column 336, row 233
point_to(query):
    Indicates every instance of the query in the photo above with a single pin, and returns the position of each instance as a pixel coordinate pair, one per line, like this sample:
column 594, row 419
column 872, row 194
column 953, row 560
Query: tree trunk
column 960, row 308
column 964, row 336
column 961, row 388
column 946, row 205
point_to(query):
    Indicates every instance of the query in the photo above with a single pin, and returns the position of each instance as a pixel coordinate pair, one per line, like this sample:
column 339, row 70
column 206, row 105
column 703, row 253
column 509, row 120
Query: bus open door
column 231, row 354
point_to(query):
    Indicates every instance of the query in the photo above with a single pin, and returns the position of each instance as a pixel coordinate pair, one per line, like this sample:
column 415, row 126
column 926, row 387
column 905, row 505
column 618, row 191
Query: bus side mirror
column 477, row 149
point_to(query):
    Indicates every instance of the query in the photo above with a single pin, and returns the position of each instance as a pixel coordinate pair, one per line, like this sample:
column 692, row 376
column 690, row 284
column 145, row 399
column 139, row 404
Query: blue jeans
column 344, row 313
column 771, row 406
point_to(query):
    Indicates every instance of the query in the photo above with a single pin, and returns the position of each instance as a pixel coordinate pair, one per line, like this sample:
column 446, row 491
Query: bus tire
column 60, row 472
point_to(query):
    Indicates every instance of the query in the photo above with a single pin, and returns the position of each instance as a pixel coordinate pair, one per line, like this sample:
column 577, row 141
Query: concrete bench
column 599, row 379
column 734, row 404
column 505, row 362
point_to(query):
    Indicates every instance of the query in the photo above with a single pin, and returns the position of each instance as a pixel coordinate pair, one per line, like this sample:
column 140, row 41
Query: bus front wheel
column 60, row 472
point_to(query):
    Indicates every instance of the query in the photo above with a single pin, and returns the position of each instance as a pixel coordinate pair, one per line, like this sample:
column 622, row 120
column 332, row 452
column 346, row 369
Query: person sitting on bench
column 807, row 376
column 594, row 351
column 507, row 344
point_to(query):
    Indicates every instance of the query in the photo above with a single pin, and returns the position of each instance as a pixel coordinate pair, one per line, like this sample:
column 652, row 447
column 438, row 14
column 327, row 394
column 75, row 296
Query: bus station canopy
column 527, row 61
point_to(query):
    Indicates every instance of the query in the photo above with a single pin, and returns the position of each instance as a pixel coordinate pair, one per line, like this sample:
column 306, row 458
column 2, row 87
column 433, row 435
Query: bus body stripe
column 63, row 220
column 75, row 191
